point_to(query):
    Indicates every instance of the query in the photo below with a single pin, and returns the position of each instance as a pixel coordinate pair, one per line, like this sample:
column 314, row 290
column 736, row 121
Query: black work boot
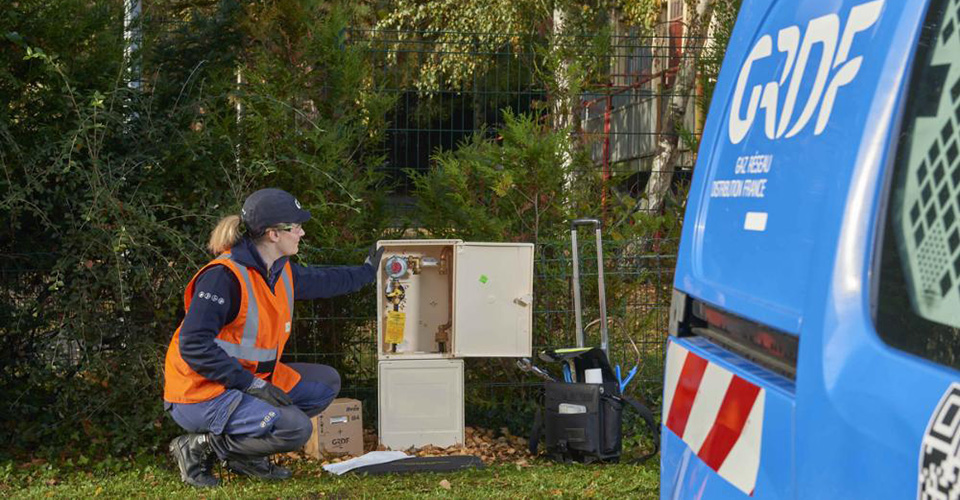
column 258, row 467
column 194, row 457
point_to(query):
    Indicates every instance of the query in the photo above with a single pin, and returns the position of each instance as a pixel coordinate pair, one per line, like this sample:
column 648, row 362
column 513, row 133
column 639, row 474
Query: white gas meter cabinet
column 440, row 301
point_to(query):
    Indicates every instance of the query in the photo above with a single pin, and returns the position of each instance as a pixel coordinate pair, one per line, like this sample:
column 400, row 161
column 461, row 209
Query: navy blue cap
column 269, row 207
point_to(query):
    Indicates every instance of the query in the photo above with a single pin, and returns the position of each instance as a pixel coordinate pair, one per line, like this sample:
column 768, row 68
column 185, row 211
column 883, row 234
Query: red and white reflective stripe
column 718, row 414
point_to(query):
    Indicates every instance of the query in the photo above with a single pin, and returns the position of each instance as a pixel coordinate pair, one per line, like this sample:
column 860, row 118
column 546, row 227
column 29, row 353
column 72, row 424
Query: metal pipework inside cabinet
column 416, row 296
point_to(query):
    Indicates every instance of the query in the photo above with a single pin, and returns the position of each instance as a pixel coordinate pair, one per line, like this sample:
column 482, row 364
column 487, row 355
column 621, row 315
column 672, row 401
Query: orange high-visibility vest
column 256, row 335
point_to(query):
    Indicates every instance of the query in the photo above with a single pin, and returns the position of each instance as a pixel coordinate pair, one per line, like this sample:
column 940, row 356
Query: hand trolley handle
column 581, row 338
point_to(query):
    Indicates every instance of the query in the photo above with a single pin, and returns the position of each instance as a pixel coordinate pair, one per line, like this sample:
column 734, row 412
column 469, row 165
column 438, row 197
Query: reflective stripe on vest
column 289, row 287
column 247, row 348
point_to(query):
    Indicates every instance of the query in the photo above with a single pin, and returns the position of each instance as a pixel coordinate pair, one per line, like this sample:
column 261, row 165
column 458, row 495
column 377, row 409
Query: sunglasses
column 287, row 227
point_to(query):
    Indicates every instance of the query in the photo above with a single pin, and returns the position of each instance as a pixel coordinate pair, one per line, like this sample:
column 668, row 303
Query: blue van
column 814, row 347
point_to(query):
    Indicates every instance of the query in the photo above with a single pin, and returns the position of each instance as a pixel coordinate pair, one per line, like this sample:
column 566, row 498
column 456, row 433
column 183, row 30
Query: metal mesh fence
column 431, row 116
column 618, row 114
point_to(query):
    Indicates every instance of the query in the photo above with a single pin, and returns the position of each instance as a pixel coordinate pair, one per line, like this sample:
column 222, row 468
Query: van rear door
column 812, row 347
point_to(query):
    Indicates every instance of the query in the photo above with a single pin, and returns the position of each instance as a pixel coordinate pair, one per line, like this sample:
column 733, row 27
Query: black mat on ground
column 422, row 464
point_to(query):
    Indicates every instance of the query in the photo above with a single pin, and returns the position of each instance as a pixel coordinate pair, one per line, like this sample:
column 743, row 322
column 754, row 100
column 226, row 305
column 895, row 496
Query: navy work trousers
column 243, row 426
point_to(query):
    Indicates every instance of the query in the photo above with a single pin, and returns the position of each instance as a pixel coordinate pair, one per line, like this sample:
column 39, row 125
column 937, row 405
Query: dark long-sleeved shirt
column 205, row 318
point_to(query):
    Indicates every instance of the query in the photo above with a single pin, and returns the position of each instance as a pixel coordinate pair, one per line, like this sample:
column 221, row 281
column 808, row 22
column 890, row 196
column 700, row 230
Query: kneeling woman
column 224, row 382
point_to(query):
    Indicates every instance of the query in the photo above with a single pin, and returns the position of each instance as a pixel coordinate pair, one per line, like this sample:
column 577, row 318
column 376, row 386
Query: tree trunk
column 664, row 164
column 563, row 100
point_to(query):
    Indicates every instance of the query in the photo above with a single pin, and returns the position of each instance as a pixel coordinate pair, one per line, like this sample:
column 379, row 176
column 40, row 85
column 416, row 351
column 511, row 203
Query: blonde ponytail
column 225, row 235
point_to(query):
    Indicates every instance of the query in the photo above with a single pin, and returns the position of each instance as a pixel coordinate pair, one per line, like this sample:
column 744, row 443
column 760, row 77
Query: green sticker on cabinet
column 483, row 278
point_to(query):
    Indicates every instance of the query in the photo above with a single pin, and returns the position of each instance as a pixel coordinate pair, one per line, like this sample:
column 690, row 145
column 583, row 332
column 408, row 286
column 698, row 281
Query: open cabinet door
column 493, row 300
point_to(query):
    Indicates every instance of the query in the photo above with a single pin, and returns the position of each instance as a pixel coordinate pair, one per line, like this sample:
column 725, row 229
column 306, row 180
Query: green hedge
column 107, row 195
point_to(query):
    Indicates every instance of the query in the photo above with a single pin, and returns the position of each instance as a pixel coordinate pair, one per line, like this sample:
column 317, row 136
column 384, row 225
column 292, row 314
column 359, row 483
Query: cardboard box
column 337, row 431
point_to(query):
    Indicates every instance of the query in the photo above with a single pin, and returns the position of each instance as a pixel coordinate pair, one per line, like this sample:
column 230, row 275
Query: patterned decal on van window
column 927, row 207
column 939, row 452
column 716, row 413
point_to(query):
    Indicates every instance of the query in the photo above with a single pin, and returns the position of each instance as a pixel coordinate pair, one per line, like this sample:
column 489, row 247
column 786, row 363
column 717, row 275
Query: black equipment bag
column 583, row 422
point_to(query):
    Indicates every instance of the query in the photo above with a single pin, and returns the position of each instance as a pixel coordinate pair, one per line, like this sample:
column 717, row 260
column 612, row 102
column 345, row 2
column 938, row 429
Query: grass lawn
column 156, row 478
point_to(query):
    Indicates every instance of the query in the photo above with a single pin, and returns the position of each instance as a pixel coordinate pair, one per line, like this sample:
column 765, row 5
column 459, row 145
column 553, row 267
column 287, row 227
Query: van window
column 918, row 296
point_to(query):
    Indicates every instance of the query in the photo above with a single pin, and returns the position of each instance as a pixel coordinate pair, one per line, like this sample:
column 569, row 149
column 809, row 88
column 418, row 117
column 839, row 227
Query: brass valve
column 414, row 263
column 443, row 333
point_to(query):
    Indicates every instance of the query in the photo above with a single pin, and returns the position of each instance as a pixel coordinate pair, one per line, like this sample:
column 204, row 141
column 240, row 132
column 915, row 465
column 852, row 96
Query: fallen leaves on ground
column 490, row 445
